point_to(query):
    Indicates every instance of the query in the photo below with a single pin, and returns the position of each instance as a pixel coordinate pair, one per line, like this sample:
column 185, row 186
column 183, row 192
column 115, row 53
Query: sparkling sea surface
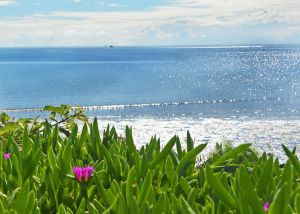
column 237, row 93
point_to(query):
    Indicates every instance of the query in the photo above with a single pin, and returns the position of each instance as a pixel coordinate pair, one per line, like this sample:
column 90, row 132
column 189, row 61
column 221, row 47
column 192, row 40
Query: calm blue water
column 154, row 81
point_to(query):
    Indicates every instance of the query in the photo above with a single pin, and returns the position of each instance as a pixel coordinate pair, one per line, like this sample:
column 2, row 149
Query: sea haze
column 255, row 83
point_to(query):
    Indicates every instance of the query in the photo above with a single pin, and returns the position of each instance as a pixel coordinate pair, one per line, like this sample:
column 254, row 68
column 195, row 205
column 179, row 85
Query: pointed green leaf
column 30, row 204
column 99, row 206
column 231, row 154
column 164, row 152
column 73, row 134
column 66, row 158
column 101, row 190
column 293, row 159
column 160, row 205
column 189, row 158
column 81, row 207
column 297, row 204
column 280, row 201
column 186, row 207
column 169, row 168
column 83, row 136
column 145, row 189
column 265, row 177
column 96, row 131
column 22, row 198
column 2, row 208
column 219, row 189
column 189, row 142
column 129, row 140
column 62, row 209
column 107, row 156
column 51, row 158
column 249, row 192
column 185, row 185
column 129, row 189
column 121, row 205
column 92, row 209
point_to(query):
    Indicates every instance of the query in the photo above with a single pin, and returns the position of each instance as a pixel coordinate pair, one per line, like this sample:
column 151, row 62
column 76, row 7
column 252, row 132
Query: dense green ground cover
column 49, row 167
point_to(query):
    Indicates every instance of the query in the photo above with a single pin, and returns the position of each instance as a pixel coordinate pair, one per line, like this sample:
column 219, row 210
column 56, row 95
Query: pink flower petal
column 87, row 172
column 266, row 206
column 7, row 155
column 78, row 173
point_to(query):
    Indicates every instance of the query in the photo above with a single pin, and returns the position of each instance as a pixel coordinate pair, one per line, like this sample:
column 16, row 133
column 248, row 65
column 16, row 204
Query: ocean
column 236, row 93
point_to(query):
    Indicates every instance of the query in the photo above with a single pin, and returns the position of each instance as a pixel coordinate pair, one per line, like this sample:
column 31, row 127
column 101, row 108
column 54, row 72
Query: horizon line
column 245, row 45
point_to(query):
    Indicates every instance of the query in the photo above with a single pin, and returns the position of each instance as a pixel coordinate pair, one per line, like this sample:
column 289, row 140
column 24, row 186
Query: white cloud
column 7, row 2
column 180, row 22
column 110, row 4
column 113, row 5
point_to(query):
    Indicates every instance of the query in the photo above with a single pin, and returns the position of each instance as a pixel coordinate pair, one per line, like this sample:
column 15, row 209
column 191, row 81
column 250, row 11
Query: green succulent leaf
column 219, row 189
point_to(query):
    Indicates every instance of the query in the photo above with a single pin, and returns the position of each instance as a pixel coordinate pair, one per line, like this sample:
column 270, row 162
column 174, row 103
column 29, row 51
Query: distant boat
column 111, row 46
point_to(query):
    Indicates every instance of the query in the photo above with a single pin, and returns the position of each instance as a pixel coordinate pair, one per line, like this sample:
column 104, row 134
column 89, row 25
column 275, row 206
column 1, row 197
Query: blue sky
column 29, row 7
column 145, row 22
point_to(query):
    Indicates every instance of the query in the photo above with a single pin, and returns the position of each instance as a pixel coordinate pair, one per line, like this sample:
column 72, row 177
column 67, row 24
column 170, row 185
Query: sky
column 148, row 22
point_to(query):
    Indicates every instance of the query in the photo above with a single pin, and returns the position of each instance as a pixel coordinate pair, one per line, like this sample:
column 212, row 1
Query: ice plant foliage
column 153, row 179
column 85, row 172
column 7, row 156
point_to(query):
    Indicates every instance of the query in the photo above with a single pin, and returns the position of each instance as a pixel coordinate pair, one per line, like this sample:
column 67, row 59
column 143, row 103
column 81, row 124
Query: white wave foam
column 21, row 110
column 116, row 107
column 126, row 106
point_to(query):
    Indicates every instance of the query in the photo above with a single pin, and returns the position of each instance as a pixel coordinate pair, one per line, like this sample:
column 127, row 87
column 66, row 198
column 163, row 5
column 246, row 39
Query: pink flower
column 266, row 206
column 78, row 173
column 85, row 172
column 7, row 155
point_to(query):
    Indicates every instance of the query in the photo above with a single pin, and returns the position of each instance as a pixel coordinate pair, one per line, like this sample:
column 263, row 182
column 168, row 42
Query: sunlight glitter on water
column 266, row 135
